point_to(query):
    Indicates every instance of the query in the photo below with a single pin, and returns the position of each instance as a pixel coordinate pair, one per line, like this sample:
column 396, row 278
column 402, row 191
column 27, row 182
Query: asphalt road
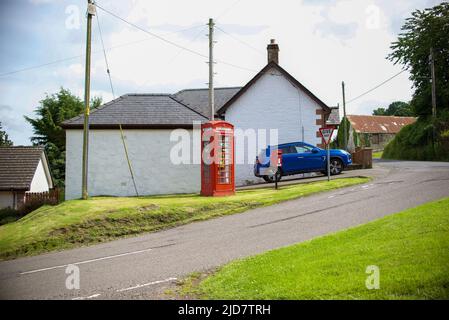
column 137, row 267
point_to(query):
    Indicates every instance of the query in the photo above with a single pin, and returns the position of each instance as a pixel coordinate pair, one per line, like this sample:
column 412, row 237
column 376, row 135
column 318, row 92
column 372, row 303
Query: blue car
column 300, row 157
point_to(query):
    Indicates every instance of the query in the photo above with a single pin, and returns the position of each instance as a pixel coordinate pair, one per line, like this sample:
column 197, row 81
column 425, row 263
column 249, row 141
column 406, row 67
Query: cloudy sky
column 322, row 42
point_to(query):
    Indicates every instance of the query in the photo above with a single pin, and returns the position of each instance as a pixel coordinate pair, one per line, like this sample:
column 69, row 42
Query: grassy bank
column 414, row 141
column 410, row 248
column 77, row 222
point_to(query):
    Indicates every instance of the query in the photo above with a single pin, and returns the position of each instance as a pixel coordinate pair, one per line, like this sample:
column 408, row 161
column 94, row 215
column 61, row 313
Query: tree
column 397, row 108
column 428, row 137
column 4, row 139
column 424, row 30
column 51, row 112
column 380, row 112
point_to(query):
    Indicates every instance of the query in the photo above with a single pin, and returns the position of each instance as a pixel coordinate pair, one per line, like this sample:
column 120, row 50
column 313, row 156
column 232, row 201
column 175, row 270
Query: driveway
column 138, row 267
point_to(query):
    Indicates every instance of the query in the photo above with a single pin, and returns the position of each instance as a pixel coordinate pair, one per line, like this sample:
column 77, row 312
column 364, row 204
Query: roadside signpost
column 276, row 163
column 326, row 134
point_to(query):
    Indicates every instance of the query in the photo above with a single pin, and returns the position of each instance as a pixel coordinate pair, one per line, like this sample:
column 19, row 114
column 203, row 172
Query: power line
column 94, row 52
column 224, row 12
column 122, row 135
column 131, row 43
column 41, row 65
column 151, row 33
column 105, row 57
column 172, row 42
column 191, row 41
column 374, row 88
column 241, row 41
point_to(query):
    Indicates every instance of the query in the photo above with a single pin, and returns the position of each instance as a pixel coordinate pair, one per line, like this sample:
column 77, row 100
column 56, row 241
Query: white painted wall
column 273, row 102
column 40, row 182
column 149, row 151
column 6, row 199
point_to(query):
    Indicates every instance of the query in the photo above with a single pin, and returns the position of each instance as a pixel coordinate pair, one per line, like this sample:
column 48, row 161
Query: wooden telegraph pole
column 345, row 138
column 434, row 96
column 90, row 13
column 211, row 69
column 432, row 71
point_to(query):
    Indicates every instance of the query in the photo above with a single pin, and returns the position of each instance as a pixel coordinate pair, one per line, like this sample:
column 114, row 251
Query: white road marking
column 330, row 197
column 89, row 297
column 147, row 284
column 87, row 261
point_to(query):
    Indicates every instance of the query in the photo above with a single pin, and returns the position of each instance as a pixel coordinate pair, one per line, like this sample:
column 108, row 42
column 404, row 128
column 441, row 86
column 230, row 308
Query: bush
column 416, row 142
column 339, row 142
column 8, row 215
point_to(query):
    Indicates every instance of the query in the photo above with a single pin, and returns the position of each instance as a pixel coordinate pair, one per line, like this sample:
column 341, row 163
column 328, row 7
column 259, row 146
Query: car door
column 307, row 160
column 289, row 159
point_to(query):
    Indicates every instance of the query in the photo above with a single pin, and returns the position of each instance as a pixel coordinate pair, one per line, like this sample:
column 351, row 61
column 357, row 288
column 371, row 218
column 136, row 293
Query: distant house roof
column 198, row 99
column 269, row 66
column 379, row 124
column 18, row 165
column 140, row 111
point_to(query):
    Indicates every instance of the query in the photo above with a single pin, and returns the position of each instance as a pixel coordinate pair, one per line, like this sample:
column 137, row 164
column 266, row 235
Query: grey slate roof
column 198, row 99
column 17, row 166
column 140, row 111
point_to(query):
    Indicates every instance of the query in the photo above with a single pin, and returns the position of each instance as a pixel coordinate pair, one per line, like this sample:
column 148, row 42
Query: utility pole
column 211, row 69
column 344, row 116
column 90, row 13
column 434, row 97
column 432, row 71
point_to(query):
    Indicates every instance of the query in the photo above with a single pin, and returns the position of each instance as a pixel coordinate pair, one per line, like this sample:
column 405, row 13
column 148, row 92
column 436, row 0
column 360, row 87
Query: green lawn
column 377, row 155
column 410, row 248
column 78, row 222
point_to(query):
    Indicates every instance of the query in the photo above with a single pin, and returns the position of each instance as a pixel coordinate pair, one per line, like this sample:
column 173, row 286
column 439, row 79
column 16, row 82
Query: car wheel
column 336, row 166
column 277, row 176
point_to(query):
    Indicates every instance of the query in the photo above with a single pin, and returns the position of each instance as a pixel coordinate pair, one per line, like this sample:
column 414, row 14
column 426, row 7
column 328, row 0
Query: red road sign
column 326, row 133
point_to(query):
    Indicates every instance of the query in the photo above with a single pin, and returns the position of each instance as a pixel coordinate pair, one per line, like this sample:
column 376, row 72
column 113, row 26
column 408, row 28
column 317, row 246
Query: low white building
column 273, row 99
column 22, row 170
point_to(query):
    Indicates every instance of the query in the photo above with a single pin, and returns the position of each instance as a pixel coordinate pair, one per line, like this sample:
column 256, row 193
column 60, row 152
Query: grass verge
column 410, row 248
column 82, row 222
column 377, row 155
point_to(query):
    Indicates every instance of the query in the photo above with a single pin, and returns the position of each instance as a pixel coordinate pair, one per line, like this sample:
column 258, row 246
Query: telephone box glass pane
column 206, row 167
column 224, row 160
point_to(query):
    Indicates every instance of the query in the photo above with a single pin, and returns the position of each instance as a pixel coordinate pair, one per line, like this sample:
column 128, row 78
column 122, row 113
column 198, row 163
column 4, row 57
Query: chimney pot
column 273, row 51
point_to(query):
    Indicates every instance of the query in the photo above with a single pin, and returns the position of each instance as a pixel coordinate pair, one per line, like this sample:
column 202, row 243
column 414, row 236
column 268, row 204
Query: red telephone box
column 217, row 159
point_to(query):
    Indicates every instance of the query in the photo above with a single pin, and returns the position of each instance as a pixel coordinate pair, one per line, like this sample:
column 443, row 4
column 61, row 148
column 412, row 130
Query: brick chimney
column 273, row 51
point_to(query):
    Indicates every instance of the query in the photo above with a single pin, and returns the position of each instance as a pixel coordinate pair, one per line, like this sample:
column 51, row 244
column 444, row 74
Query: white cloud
column 37, row 2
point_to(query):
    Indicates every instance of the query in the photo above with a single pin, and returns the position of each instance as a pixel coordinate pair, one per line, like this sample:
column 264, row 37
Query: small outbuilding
column 374, row 131
column 22, row 170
